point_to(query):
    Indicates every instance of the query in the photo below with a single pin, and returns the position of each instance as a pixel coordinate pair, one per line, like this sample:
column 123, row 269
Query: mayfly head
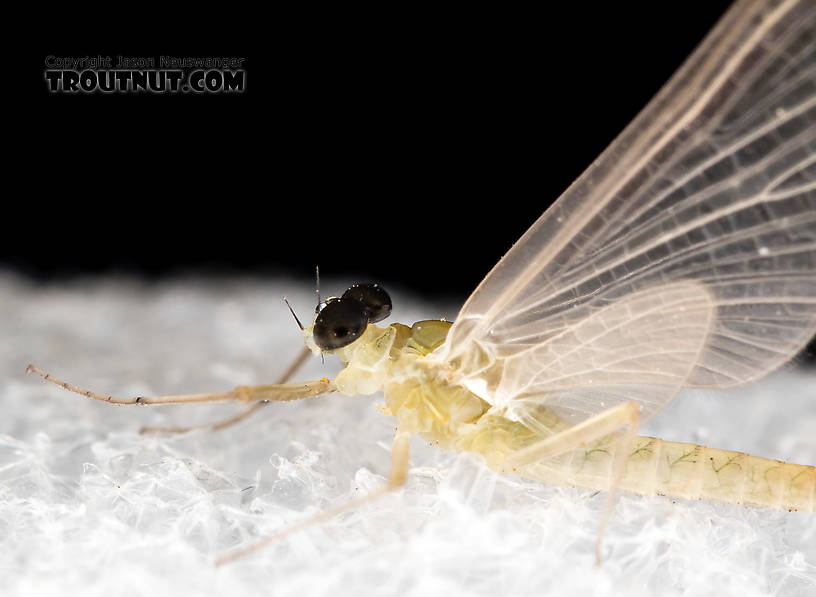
column 340, row 321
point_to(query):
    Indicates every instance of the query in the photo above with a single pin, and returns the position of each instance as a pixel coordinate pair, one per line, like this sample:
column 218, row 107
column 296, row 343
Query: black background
column 411, row 147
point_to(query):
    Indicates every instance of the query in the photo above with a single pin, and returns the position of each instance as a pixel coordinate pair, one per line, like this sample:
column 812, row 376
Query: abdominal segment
column 685, row 471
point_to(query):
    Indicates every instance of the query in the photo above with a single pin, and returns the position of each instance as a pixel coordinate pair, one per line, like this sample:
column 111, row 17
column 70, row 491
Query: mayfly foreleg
column 269, row 393
column 400, row 464
column 229, row 421
column 624, row 416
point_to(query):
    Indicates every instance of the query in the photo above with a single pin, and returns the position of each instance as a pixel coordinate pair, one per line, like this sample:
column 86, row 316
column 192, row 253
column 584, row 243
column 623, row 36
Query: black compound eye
column 375, row 300
column 339, row 323
column 321, row 306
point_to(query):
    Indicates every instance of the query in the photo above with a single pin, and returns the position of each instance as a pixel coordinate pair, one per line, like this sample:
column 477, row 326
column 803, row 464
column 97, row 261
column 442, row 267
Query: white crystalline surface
column 90, row 507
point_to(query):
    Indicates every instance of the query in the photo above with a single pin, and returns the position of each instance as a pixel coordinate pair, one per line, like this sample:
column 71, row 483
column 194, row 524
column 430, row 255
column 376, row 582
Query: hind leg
column 626, row 415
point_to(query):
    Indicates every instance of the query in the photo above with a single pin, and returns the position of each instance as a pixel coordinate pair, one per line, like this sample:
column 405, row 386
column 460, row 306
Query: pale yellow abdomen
column 687, row 471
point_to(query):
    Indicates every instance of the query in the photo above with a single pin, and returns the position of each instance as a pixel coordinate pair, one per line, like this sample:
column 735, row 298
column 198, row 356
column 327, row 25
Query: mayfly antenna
column 292, row 311
column 317, row 283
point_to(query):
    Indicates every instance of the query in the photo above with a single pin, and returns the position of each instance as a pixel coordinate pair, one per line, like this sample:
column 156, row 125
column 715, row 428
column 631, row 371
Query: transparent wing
column 707, row 202
column 642, row 347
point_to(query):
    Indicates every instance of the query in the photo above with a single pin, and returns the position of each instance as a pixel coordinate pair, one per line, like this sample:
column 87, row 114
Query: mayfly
column 684, row 257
